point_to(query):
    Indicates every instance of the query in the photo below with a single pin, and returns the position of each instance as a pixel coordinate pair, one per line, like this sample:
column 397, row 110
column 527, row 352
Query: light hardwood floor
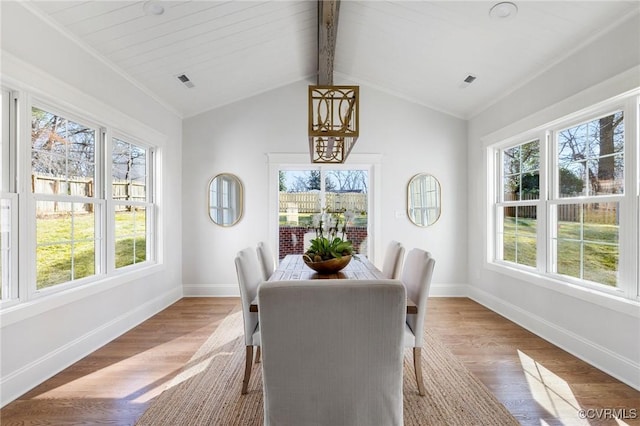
column 539, row 383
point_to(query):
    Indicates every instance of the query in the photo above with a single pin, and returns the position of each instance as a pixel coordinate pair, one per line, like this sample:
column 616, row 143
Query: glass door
column 306, row 192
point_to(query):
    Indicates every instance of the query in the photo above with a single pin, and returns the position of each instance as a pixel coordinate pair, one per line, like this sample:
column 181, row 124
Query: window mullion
column 151, row 209
column 496, row 248
column 109, row 215
column 26, row 201
column 543, row 229
column 101, row 194
column 629, row 206
column 323, row 188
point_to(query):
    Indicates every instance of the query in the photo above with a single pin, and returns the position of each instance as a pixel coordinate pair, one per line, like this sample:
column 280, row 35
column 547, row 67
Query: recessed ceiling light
column 503, row 10
column 153, row 7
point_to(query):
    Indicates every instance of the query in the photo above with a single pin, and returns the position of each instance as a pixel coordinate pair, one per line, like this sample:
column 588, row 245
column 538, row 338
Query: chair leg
column 247, row 369
column 417, row 366
column 258, row 354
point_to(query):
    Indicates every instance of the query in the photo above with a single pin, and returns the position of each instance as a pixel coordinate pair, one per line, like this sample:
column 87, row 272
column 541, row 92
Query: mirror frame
column 239, row 193
column 411, row 208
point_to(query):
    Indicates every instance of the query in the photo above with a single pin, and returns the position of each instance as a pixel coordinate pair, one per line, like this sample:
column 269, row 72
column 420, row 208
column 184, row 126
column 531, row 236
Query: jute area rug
column 207, row 390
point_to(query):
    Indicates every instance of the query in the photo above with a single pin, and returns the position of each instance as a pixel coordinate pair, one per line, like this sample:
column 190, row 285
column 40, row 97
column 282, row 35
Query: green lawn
column 520, row 241
column 596, row 253
column 54, row 252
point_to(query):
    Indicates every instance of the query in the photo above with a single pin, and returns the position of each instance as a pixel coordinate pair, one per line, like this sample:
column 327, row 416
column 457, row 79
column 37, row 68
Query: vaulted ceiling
column 418, row 50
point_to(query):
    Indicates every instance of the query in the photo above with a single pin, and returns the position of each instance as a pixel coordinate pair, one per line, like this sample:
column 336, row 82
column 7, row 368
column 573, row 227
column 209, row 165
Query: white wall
column 236, row 139
column 41, row 338
column 603, row 331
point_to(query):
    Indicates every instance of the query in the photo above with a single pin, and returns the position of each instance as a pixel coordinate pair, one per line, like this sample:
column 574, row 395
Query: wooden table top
column 293, row 268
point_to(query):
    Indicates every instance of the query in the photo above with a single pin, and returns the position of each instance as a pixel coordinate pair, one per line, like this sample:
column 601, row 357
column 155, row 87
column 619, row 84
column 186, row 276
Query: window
column 63, row 181
column 71, row 208
column 131, row 200
column 85, row 209
column 518, row 207
column 563, row 207
column 590, row 187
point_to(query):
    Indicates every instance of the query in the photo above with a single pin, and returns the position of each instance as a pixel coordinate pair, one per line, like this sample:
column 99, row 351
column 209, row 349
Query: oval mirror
column 225, row 199
column 423, row 199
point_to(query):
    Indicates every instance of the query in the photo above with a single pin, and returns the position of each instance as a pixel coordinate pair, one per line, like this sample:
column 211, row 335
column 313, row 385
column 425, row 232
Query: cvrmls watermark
column 608, row 413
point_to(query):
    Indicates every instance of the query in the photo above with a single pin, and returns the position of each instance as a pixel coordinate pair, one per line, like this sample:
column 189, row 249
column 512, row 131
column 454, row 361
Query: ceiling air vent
column 185, row 80
column 467, row 81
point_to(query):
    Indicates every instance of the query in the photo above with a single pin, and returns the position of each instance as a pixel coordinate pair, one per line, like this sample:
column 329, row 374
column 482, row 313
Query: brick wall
column 292, row 238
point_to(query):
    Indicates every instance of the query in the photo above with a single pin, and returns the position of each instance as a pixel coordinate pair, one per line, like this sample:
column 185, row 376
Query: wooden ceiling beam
column 327, row 34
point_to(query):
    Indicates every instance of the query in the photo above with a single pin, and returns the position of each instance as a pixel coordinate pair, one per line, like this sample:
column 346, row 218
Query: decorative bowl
column 330, row 266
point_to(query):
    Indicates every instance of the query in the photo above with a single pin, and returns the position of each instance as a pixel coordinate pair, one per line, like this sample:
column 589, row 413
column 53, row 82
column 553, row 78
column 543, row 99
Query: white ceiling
column 419, row 50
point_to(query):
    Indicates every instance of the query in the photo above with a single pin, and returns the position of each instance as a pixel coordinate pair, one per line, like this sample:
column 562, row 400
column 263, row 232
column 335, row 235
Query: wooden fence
column 82, row 187
column 309, row 202
column 604, row 213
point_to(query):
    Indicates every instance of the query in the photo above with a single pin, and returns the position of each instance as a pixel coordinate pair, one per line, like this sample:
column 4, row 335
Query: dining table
column 293, row 268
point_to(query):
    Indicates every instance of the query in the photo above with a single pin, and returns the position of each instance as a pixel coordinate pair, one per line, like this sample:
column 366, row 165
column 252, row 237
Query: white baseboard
column 18, row 382
column 232, row 290
column 211, row 290
column 623, row 369
column 448, row 290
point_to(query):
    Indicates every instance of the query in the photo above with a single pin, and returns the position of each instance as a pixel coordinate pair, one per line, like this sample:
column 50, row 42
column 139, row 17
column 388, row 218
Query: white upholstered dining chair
column 416, row 276
column 332, row 352
column 250, row 277
column 267, row 259
column 393, row 257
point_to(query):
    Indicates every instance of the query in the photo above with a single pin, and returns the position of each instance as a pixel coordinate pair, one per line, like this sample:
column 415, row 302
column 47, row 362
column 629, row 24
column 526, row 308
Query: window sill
column 20, row 311
column 610, row 300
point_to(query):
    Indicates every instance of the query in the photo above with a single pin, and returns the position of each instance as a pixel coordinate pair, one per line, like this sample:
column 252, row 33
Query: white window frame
column 500, row 203
column 554, row 199
column 97, row 200
column 149, row 203
column 10, row 283
column 629, row 238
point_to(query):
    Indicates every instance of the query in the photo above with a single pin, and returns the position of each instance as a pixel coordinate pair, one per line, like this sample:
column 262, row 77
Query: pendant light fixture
column 333, row 110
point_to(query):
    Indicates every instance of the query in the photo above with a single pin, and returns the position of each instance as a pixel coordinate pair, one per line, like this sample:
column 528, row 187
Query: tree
column 128, row 164
column 61, row 147
column 328, row 184
column 530, row 185
column 570, row 184
column 589, row 151
column 521, row 168
column 281, row 181
column 299, row 185
column 349, row 180
column 609, row 133
column 313, row 180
